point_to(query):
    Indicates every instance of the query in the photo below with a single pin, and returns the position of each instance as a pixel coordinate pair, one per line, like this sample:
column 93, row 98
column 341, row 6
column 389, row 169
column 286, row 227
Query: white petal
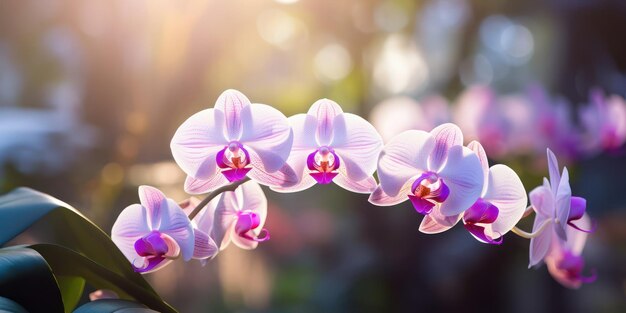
column 325, row 111
column 267, row 131
column 358, row 143
column 463, row 174
column 154, row 201
column 563, row 202
column 304, row 127
column 540, row 245
column 174, row 222
column 205, row 247
column 283, row 177
column 366, row 185
column 553, row 169
column 405, row 156
column 197, row 141
column 482, row 157
column 130, row 225
column 507, row 193
column 232, row 102
column 224, row 218
column 199, row 186
column 446, row 136
column 380, row 198
column 435, row 222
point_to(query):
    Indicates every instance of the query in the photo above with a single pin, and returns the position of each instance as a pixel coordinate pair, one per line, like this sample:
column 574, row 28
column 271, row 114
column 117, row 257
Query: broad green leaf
column 8, row 305
column 26, row 278
column 71, row 288
column 65, row 262
column 113, row 305
column 56, row 222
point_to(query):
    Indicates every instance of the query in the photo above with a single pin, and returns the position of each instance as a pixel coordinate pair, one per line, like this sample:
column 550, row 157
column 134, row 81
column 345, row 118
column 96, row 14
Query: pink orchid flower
column 205, row 247
column 440, row 176
column 564, row 260
column 604, row 121
column 333, row 146
column 240, row 216
column 555, row 209
column 153, row 233
column 233, row 140
column 501, row 205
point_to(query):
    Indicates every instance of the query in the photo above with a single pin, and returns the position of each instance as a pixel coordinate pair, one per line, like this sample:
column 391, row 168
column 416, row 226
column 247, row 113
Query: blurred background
column 91, row 93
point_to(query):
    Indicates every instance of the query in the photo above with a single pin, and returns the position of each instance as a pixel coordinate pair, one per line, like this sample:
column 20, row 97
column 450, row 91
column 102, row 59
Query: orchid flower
column 479, row 113
column 205, row 247
column 440, row 176
column 564, row 260
column 605, row 121
column 501, row 204
column 153, row 233
column 240, row 216
column 233, row 140
column 555, row 209
column 333, row 146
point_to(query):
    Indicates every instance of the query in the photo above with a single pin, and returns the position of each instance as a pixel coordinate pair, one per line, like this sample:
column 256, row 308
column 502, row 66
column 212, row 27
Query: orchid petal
column 267, row 132
column 204, row 246
column 325, row 111
column 196, row 186
column 435, row 222
column 174, row 222
column 446, row 136
column 507, row 193
column 232, row 102
column 224, row 219
column 482, row 157
column 283, row 177
column 252, row 198
column 131, row 224
column 304, row 127
column 358, row 144
column 540, row 245
column 463, row 174
column 197, row 141
column 405, row 156
column 243, row 243
column 563, row 202
column 553, row 170
column 576, row 239
column 366, row 185
column 154, row 201
column 380, row 198
column 542, row 200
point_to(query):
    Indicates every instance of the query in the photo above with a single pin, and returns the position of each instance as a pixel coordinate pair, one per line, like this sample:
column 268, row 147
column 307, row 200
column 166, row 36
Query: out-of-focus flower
column 231, row 141
column 440, row 176
column 204, row 246
column 604, row 121
column 564, row 261
column 333, row 146
column 501, row 205
column 398, row 114
column 153, row 233
column 478, row 115
column 240, row 216
column 103, row 294
column 551, row 124
column 555, row 208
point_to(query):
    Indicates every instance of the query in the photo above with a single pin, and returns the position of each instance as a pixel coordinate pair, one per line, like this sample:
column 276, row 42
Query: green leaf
column 26, row 278
column 111, row 306
column 71, row 290
column 65, row 262
column 8, row 305
column 56, row 222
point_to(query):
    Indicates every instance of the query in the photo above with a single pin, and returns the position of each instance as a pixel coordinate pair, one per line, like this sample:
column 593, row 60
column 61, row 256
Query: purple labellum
column 154, row 248
column 246, row 223
column 577, row 210
column 481, row 212
column 573, row 266
column 428, row 190
column 233, row 162
column 323, row 163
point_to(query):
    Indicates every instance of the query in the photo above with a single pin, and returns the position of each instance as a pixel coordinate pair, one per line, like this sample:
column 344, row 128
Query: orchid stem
column 526, row 235
column 214, row 194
